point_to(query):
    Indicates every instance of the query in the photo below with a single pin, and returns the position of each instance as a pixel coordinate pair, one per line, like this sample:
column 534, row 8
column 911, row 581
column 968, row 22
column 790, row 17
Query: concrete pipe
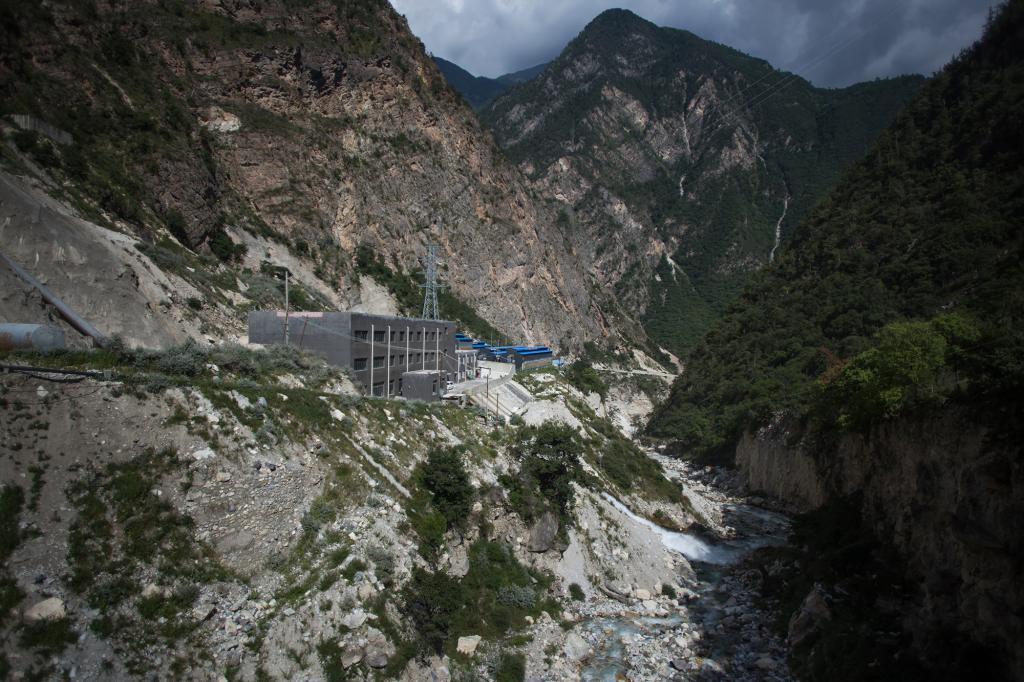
column 40, row 337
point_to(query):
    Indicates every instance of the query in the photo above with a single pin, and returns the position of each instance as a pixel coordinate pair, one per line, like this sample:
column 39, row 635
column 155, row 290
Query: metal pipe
column 73, row 318
column 14, row 336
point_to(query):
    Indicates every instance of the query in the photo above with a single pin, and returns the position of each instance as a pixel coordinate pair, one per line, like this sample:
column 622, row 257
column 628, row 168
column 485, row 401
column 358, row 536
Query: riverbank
column 716, row 624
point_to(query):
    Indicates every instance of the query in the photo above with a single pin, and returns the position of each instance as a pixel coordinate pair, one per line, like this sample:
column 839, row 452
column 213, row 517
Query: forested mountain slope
column 876, row 368
column 680, row 163
column 926, row 228
column 224, row 134
column 479, row 90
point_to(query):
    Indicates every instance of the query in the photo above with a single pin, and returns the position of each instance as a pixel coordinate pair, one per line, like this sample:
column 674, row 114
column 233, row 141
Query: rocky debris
column 354, row 620
column 351, row 654
column 46, row 610
column 467, row 645
column 543, row 533
column 376, row 649
column 433, row 669
column 814, row 611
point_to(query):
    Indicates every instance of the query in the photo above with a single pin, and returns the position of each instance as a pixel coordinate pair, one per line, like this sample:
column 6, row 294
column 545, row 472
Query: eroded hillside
column 681, row 165
column 284, row 132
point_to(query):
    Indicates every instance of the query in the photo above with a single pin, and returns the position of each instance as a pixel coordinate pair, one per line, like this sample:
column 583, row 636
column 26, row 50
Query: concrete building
column 422, row 384
column 378, row 349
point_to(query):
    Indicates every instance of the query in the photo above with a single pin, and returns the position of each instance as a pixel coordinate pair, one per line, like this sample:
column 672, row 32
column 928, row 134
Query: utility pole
column 430, row 285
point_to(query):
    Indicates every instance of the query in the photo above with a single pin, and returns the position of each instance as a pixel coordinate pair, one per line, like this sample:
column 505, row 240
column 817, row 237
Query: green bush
column 912, row 363
column 576, row 592
column 582, row 375
column 511, row 668
column 630, row 469
column 442, row 500
column 492, row 599
column 444, row 475
column 548, row 457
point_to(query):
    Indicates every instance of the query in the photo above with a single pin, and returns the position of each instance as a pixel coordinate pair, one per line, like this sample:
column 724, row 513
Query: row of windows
column 397, row 359
column 396, row 337
column 393, row 388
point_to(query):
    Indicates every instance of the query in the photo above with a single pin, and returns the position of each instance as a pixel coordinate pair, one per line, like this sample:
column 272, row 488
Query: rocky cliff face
column 680, row 164
column 944, row 493
column 319, row 126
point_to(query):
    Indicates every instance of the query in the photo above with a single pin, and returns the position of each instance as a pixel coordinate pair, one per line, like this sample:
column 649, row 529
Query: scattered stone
column 543, row 533
column 261, row 403
column 812, row 614
column 467, row 645
column 366, row 592
column 766, row 663
column 354, row 619
column 337, row 414
column 48, row 609
column 223, row 476
column 350, row 655
column 576, row 648
column 678, row 663
column 204, row 453
column 376, row 658
column 642, row 594
column 152, row 591
column 203, row 612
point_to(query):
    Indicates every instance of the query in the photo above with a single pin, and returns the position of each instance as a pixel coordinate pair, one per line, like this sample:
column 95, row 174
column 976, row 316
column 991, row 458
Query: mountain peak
column 618, row 20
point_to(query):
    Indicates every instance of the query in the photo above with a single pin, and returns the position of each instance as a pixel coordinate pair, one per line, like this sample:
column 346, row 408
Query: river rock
column 808, row 620
column 543, row 533
column 642, row 594
column 48, row 609
column 467, row 645
column 576, row 648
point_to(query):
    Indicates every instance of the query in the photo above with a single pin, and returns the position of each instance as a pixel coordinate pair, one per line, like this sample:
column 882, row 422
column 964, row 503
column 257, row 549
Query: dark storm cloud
column 829, row 42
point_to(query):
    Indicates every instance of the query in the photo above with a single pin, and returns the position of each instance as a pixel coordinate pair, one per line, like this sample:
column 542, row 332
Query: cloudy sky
column 829, row 42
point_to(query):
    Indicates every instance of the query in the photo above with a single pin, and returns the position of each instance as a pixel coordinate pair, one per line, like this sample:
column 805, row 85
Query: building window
column 378, row 389
column 401, row 336
column 361, row 335
column 359, row 364
column 378, row 337
column 378, row 362
column 392, row 360
column 400, row 359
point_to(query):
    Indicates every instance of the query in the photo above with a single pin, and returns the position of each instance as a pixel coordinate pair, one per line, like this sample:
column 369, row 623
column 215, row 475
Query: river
column 722, row 630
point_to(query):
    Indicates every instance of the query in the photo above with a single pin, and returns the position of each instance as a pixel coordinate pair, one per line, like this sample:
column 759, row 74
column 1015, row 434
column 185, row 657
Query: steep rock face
column 321, row 125
column 947, row 496
column 680, row 163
